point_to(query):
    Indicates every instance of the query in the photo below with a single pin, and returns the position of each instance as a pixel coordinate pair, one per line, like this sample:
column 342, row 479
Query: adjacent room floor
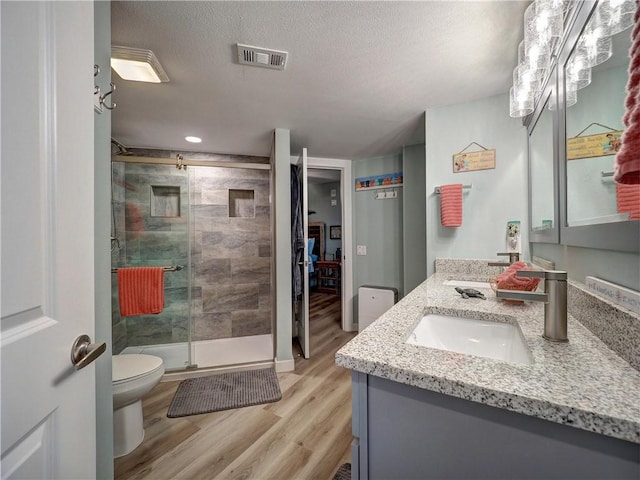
column 306, row 435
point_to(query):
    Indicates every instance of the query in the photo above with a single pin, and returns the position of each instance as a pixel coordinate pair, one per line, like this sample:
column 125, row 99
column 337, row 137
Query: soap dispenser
column 513, row 236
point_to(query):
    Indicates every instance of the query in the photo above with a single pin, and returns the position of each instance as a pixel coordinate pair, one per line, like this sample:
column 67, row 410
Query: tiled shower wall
column 230, row 243
column 231, row 253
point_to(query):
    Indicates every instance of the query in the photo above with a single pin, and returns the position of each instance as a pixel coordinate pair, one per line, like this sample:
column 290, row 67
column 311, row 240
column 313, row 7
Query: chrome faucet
column 554, row 298
column 513, row 257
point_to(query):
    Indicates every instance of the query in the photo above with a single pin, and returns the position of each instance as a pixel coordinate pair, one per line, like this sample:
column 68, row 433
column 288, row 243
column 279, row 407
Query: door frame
column 102, row 242
column 346, row 199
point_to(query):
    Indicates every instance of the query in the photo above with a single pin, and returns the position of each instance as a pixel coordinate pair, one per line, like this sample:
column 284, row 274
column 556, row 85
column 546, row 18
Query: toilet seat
column 130, row 367
column 134, row 375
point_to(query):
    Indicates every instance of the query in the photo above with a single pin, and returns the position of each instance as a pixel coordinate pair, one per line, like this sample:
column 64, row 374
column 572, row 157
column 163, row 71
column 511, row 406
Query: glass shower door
column 150, row 227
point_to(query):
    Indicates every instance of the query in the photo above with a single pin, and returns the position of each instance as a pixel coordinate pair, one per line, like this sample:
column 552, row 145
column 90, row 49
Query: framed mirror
column 593, row 77
column 543, row 205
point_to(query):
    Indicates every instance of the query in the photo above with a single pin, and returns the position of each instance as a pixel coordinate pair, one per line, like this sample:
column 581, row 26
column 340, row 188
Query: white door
column 302, row 316
column 48, row 407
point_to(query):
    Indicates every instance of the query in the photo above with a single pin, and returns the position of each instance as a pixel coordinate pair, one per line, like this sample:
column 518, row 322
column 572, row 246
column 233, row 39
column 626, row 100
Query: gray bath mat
column 343, row 472
column 224, row 391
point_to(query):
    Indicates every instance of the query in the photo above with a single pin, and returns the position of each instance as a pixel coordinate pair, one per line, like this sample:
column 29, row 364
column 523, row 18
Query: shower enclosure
column 215, row 223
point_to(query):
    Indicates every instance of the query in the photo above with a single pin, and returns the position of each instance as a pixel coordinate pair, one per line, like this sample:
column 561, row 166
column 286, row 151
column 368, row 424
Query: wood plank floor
column 306, row 435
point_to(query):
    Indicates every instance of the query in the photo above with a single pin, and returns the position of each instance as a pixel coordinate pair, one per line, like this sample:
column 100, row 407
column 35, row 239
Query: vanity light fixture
column 520, row 103
column 622, row 13
column 543, row 26
column 193, row 139
column 137, row 64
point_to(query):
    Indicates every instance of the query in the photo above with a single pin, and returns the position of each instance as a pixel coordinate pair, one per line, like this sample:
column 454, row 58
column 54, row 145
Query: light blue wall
column 496, row 196
column 320, row 202
column 378, row 225
column 102, row 193
column 281, row 163
column 414, row 216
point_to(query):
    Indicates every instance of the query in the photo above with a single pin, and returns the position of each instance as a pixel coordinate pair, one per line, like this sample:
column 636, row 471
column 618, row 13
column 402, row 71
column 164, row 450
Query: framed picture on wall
column 335, row 232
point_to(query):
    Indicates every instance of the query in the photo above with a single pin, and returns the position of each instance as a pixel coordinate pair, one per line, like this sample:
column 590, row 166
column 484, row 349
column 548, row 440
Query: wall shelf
column 329, row 276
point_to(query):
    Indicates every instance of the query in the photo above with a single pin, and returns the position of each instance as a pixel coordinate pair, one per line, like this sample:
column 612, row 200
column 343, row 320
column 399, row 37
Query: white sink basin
column 466, row 284
column 496, row 340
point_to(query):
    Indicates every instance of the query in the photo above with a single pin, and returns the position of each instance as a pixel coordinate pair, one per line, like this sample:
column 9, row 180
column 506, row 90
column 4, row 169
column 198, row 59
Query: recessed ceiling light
column 193, row 139
column 137, row 64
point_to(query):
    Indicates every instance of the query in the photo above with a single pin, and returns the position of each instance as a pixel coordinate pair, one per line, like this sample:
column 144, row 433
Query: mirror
column 541, row 170
column 596, row 75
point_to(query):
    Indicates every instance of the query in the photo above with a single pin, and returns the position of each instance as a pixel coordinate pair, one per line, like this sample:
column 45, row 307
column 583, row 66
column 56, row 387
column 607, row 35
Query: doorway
column 325, row 234
column 325, row 176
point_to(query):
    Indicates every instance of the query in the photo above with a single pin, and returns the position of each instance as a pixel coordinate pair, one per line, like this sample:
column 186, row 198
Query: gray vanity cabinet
column 405, row 432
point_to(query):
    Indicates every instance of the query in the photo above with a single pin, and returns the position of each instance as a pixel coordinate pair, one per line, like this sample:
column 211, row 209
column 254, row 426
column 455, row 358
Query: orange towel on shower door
column 140, row 290
column 451, row 205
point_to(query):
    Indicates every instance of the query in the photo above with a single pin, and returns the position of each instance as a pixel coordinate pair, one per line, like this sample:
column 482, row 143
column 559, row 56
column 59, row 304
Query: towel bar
column 170, row 268
column 437, row 189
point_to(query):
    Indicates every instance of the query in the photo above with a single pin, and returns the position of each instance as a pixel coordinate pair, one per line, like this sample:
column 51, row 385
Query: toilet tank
column 373, row 302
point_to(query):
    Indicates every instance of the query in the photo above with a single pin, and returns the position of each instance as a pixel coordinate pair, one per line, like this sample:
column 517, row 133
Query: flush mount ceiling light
column 137, row 64
column 193, row 139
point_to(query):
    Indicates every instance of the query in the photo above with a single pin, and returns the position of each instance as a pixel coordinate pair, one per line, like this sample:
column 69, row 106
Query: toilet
column 134, row 375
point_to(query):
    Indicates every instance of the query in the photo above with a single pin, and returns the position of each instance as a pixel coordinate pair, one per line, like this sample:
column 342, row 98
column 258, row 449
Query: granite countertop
column 581, row 383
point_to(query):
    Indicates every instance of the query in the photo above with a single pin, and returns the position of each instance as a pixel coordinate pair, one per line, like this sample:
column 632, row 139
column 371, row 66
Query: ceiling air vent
column 262, row 57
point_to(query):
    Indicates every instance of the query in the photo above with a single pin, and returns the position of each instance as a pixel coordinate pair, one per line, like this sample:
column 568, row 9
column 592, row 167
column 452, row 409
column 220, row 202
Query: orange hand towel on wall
column 451, row 205
column 140, row 290
column 628, row 200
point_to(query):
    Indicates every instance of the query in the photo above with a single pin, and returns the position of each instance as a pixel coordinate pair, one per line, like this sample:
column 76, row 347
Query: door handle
column 83, row 352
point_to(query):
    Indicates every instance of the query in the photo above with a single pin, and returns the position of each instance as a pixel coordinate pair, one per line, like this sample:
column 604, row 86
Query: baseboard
column 285, row 365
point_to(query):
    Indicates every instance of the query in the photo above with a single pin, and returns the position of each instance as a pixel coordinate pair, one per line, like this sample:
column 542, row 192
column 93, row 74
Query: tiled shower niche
column 242, row 203
column 165, row 201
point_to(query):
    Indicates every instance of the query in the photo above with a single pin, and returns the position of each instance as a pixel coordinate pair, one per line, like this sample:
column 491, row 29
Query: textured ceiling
column 358, row 79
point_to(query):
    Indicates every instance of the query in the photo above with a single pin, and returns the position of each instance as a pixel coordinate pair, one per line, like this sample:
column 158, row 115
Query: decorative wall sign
column 469, row 161
column 335, row 232
column 597, row 145
column 379, row 181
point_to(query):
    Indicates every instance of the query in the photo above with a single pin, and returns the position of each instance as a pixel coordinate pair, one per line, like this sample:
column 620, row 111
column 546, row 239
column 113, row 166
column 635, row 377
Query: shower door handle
column 83, row 352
